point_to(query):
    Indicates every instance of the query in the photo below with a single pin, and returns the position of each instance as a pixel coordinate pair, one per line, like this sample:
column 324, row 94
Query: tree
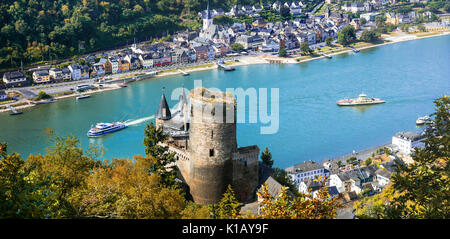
column 352, row 160
column 195, row 211
column 285, row 206
column 59, row 176
column 266, row 157
column 347, row 35
column 368, row 161
column 447, row 7
column 304, row 47
column 362, row 20
column 16, row 199
column 420, row 189
column 421, row 28
column 237, row 47
column 282, row 52
column 153, row 137
column 369, row 36
column 281, row 176
column 228, row 206
column 43, row 95
column 329, row 41
column 285, row 12
column 124, row 188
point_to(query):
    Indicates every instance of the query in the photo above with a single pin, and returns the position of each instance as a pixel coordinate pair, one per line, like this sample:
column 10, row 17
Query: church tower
column 207, row 21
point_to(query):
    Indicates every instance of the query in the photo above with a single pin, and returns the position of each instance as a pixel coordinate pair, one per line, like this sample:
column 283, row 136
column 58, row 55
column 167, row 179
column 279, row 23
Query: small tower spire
column 163, row 110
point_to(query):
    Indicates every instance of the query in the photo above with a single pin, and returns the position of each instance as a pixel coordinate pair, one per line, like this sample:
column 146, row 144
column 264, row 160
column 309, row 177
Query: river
column 408, row 75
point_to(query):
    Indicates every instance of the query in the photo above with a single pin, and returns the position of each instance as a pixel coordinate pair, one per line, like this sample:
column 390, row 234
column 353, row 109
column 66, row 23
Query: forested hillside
column 35, row 30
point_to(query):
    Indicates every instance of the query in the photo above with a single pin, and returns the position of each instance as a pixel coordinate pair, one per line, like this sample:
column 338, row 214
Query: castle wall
column 245, row 172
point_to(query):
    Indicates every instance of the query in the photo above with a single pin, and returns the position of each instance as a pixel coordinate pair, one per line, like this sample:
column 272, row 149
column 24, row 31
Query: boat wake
column 138, row 121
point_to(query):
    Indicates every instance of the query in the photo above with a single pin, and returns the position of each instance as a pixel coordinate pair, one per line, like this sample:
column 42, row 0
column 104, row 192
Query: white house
column 336, row 181
column 382, row 176
column 14, row 78
column 75, row 69
column 309, row 170
column 407, row 141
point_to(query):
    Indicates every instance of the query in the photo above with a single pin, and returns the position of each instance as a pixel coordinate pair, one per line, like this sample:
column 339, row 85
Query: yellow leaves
column 285, row 206
column 125, row 189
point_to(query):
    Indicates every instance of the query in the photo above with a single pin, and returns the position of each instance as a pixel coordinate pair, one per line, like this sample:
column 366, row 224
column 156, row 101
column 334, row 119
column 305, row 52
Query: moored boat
column 361, row 100
column 105, row 128
column 424, row 120
column 83, row 97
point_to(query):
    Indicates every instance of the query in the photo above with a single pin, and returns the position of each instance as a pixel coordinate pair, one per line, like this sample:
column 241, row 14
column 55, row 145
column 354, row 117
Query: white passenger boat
column 105, row 128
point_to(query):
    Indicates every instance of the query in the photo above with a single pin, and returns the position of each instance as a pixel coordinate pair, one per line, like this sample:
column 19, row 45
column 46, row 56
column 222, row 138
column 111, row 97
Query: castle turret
column 212, row 144
column 163, row 113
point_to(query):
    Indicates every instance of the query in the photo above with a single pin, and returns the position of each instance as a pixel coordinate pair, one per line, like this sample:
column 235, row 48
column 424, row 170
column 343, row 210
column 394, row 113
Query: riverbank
column 26, row 104
column 264, row 59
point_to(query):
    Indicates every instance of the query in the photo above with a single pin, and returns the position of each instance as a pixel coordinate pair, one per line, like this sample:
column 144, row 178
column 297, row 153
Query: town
column 244, row 30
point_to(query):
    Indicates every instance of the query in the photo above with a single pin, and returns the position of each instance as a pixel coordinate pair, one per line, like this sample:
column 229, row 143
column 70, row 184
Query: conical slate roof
column 163, row 107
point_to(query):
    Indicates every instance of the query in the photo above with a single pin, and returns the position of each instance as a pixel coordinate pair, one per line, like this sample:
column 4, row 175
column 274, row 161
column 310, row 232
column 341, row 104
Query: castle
column 204, row 142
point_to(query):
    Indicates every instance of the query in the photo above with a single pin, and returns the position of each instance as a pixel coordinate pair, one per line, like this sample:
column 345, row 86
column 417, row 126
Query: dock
column 353, row 49
column 183, row 72
column 225, row 67
column 81, row 96
column 14, row 111
column 327, row 56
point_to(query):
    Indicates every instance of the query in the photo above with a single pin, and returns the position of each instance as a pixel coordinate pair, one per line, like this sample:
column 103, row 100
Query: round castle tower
column 212, row 142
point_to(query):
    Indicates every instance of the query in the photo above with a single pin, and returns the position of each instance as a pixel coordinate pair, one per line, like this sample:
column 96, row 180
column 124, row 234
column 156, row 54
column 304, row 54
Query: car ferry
column 105, row 128
column 361, row 100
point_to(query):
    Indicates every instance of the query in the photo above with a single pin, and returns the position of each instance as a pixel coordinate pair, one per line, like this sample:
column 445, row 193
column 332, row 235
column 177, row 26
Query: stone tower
column 212, row 143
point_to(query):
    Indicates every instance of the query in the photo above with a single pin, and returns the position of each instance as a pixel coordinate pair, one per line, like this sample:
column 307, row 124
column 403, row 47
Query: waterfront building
column 133, row 61
column 112, row 65
column 84, row 73
column 41, row 76
column 122, row 65
column 407, row 141
column 14, row 79
column 206, row 149
column 307, row 170
column 146, row 60
column 201, row 53
column 67, row 75
column 56, row 74
column 98, row 69
column 75, row 70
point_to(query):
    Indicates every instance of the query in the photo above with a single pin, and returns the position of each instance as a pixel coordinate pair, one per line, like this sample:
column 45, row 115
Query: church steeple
column 207, row 11
column 207, row 20
column 163, row 110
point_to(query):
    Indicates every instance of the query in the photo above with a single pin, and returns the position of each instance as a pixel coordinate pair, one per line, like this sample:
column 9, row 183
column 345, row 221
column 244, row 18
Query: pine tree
column 154, row 136
column 228, row 206
column 266, row 157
